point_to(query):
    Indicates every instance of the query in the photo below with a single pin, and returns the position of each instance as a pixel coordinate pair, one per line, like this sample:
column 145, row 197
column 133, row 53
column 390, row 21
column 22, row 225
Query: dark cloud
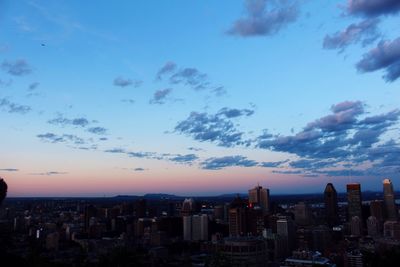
column 142, row 154
column 234, row 112
column 385, row 56
column 139, row 169
column 365, row 32
column 33, row 86
column 64, row 138
column 373, row 8
column 287, row 172
column 219, row 91
column 17, row 68
column 97, row 130
column 341, row 139
column 228, row 161
column 192, row 77
column 12, row 107
column 272, row 164
column 123, row 82
column 215, row 128
column 187, row 159
column 62, row 121
column 262, row 20
column 168, row 68
column 115, row 150
column 9, row 170
column 160, row 96
column 49, row 173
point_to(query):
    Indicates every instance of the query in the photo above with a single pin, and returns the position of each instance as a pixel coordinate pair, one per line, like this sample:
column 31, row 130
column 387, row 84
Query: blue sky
column 198, row 97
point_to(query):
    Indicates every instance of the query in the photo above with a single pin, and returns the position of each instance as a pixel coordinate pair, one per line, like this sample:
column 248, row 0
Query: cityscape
column 254, row 229
column 199, row 133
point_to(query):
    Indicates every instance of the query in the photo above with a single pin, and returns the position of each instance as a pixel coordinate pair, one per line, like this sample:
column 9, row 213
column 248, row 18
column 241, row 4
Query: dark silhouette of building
column 331, row 204
column 3, row 190
column 259, row 196
column 354, row 201
column 238, row 217
column 388, row 197
column 141, row 208
column 377, row 210
column 90, row 212
column 188, row 207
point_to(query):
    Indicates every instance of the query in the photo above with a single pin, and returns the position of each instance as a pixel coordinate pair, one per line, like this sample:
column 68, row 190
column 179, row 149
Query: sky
column 101, row 98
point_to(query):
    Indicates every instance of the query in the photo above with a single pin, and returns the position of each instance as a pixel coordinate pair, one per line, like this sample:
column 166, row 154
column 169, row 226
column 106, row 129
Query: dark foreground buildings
column 329, row 229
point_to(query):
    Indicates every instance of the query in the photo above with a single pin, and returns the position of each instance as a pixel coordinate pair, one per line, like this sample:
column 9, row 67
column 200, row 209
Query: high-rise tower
column 259, row 196
column 331, row 204
column 388, row 197
column 354, row 200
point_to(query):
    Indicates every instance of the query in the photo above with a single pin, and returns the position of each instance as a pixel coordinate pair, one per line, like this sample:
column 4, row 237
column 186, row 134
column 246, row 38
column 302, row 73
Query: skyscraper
column 238, row 217
column 259, row 196
column 331, row 204
column 388, row 197
column 354, row 200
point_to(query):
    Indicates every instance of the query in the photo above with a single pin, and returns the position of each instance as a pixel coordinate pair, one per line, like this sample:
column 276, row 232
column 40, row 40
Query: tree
column 3, row 190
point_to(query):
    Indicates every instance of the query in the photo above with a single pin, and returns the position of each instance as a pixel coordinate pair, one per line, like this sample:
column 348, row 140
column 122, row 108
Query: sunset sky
column 198, row 97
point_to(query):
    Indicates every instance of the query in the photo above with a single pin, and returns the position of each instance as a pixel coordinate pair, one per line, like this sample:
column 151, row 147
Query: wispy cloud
column 16, row 68
column 9, row 170
column 12, row 107
column 124, row 82
column 160, row 96
column 265, row 18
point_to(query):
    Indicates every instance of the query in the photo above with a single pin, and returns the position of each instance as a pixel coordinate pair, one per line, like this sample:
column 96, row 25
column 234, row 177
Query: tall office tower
column 388, row 197
column 331, row 205
column 302, row 214
column 141, row 208
column 259, row 196
column 286, row 229
column 376, row 208
column 354, row 200
column 356, row 226
column 188, row 207
column 187, row 228
column 200, row 227
column 373, row 226
column 237, row 217
column 90, row 212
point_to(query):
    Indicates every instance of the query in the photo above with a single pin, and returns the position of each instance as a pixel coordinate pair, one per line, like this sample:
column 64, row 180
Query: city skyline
column 198, row 98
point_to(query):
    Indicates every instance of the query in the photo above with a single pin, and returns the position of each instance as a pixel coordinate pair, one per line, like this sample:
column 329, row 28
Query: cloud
column 192, row 77
column 139, row 169
column 64, row 138
column 115, row 150
column 373, row 8
column 123, row 82
column 9, row 170
column 272, row 164
column 160, row 96
column 12, row 107
column 128, row 101
column 17, row 68
column 50, row 173
column 62, row 121
column 187, row 159
column 168, row 68
column 228, row 161
column 33, row 86
column 385, row 56
column 365, row 32
column 261, row 20
column 217, row 128
column 346, row 138
column 234, row 112
column 97, row 130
